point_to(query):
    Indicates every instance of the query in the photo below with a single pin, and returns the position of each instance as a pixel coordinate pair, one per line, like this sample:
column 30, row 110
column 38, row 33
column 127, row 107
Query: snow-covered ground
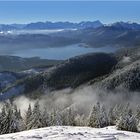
column 72, row 133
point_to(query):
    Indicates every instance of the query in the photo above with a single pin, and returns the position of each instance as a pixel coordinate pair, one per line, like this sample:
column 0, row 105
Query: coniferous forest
column 12, row 120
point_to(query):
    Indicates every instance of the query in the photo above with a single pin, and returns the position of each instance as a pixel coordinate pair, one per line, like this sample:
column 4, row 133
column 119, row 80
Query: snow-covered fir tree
column 94, row 117
column 35, row 120
column 98, row 117
column 111, row 116
column 19, row 119
column 127, row 120
column 53, row 118
column 80, row 120
column 63, row 118
column 138, row 113
column 103, row 118
column 2, row 117
column 11, row 121
column 70, row 117
column 28, row 115
column 45, row 118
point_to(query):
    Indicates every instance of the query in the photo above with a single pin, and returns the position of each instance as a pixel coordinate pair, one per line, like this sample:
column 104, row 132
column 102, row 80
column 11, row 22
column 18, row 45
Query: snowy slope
column 72, row 133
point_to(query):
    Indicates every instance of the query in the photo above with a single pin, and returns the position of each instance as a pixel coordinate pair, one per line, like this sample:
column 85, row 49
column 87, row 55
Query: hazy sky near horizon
column 74, row 11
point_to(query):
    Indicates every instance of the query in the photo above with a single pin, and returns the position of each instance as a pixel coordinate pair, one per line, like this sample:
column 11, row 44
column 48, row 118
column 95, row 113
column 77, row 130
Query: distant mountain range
column 63, row 25
column 115, row 35
column 66, row 25
column 126, row 25
column 51, row 25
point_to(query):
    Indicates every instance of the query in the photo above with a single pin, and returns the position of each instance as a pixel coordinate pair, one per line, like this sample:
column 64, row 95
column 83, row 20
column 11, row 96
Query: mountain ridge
column 51, row 25
column 68, row 25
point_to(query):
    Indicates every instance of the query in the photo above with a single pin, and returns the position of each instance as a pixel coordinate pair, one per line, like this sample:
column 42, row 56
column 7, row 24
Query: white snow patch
column 126, row 59
column 72, row 133
column 30, row 71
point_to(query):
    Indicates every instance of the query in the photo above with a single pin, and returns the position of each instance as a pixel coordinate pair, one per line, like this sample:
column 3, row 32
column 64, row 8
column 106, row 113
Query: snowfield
column 72, row 133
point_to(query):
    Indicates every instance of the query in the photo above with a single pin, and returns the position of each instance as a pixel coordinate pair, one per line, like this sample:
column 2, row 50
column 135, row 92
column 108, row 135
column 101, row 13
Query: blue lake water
column 60, row 53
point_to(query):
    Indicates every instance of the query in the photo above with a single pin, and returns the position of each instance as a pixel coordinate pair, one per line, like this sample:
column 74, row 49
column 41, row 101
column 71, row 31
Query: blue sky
column 107, row 12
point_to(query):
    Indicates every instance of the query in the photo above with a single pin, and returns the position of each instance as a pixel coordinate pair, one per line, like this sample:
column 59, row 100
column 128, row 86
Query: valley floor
column 72, row 133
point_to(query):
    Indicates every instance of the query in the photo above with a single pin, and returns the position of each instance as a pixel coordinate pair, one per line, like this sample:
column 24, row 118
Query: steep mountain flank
column 125, row 78
column 79, row 70
column 70, row 73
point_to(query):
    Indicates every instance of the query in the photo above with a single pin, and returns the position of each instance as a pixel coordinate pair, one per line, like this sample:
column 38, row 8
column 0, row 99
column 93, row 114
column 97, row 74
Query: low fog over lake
column 59, row 53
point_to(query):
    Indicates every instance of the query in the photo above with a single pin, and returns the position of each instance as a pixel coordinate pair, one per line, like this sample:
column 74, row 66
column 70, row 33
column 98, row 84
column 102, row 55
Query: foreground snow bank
column 72, row 133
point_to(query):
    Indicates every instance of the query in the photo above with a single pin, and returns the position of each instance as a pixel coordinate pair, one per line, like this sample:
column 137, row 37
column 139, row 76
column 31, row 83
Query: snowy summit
column 72, row 133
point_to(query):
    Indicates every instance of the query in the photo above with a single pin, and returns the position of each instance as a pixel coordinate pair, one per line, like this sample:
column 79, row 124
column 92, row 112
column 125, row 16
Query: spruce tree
column 2, row 117
column 70, row 117
column 127, row 120
column 94, row 117
column 10, row 122
column 63, row 118
column 53, row 118
column 111, row 116
column 35, row 120
column 138, row 113
column 103, row 118
column 45, row 118
column 28, row 115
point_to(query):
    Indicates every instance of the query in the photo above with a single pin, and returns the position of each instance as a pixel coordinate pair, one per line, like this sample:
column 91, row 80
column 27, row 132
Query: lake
column 59, row 53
